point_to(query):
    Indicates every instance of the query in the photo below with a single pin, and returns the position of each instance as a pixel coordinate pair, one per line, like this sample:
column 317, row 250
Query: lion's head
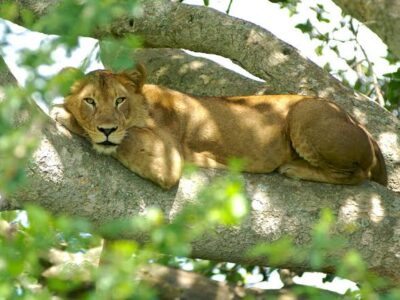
column 105, row 104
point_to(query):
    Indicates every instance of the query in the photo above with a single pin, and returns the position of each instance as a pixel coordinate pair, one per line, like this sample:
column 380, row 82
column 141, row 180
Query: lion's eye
column 90, row 101
column 119, row 100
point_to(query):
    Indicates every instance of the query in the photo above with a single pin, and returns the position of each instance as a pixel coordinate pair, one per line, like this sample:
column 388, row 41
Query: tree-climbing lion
column 153, row 130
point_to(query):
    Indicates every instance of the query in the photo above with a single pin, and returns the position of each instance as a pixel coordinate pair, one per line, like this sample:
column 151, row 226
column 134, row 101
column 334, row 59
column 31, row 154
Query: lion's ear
column 66, row 78
column 137, row 75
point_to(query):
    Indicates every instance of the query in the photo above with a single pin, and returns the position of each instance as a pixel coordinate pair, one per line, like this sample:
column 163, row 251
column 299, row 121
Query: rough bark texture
column 175, row 25
column 66, row 176
column 381, row 16
column 6, row 78
column 178, row 70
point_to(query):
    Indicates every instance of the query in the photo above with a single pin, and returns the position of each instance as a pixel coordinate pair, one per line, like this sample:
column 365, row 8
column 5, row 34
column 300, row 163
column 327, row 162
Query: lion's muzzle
column 107, row 131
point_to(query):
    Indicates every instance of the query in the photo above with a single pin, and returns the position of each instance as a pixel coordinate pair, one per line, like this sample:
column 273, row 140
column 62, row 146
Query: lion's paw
column 290, row 171
column 59, row 114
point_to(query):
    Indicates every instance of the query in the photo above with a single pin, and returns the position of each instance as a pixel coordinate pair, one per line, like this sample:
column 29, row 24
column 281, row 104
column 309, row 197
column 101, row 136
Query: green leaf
column 306, row 27
column 323, row 37
column 319, row 50
column 117, row 54
column 328, row 278
column 277, row 252
column 9, row 10
column 391, row 58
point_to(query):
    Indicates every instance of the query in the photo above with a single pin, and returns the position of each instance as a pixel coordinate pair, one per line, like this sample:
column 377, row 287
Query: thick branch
column 175, row 25
column 178, row 70
column 6, row 79
column 166, row 24
column 381, row 16
column 169, row 283
column 178, row 284
column 67, row 177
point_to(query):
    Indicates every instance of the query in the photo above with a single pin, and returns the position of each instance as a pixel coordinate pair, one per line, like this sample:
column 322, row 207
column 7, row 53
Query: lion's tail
column 378, row 171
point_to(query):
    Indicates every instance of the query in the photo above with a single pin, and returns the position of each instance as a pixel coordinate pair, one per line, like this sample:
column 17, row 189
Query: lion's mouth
column 105, row 147
column 107, row 143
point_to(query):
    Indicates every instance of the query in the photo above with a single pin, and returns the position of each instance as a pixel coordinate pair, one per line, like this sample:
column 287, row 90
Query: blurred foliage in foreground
column 26, row 245
column 30, row 263
column 45, row 256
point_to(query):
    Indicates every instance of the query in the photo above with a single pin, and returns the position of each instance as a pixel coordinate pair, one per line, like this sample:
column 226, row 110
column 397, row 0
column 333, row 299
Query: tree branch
column 178, row 70
column 6, row 79
column 189, row 285
column 169, row 283
column 176, row 25
column 67, row 177
column 381, row 16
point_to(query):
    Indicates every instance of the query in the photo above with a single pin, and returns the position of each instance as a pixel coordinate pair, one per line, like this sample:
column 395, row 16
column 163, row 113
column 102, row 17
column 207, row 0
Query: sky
column 260, row 12
column 270, row 16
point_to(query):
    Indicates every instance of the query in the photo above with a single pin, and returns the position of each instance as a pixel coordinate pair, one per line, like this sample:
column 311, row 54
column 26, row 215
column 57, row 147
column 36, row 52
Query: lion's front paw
column 59, row 114
column 66, row 119
column 290, row 171
column 166, row 182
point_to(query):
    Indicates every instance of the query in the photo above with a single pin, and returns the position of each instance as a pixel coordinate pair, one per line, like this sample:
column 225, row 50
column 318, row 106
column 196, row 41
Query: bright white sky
column 261, row 12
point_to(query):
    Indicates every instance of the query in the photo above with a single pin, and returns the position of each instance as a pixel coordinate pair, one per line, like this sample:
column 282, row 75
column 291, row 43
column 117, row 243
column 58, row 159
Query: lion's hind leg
column 330, row 146
column 301, row 169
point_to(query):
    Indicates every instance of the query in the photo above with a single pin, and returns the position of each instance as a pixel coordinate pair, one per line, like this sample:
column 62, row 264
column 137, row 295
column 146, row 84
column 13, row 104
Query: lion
column 153, row 130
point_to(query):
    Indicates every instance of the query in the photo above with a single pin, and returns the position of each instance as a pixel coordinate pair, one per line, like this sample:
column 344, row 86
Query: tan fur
column 155, row 130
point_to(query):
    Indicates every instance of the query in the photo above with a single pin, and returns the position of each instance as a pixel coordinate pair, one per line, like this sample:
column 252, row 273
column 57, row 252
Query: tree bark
column 381, row 16
column 67, row 177
column 175, row 25
column 6, row 79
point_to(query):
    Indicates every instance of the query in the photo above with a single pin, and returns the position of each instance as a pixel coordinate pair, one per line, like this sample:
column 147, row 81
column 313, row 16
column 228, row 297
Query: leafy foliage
column 381, row 90
column 391, row 88
column 17, row 136
column 26, row 245
column 16, row 145
column 23, row 247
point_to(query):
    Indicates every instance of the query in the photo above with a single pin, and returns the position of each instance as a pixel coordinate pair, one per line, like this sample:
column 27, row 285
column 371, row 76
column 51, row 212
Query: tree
column 381, row 16
column 65, row 176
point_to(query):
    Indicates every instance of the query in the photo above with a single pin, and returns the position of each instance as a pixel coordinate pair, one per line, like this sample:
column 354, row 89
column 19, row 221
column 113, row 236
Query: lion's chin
column 105, row 148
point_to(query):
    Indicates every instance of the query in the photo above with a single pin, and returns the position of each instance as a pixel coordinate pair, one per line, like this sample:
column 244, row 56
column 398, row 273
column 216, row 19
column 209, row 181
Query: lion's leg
column 301, row 169
column 151, row 156
column 331, row 146
column 65, row 118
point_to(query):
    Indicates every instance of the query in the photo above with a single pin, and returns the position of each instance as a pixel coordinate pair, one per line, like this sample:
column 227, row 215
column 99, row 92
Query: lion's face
column 106, row 104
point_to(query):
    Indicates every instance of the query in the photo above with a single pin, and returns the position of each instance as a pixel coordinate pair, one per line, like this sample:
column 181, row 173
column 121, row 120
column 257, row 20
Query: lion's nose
column 107, row 131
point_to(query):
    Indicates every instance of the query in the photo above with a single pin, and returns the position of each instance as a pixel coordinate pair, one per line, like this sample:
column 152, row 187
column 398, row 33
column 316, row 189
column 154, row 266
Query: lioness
column 152, row 130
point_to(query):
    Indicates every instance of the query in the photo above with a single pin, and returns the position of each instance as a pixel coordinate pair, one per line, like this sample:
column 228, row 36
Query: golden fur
column 153, row 130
